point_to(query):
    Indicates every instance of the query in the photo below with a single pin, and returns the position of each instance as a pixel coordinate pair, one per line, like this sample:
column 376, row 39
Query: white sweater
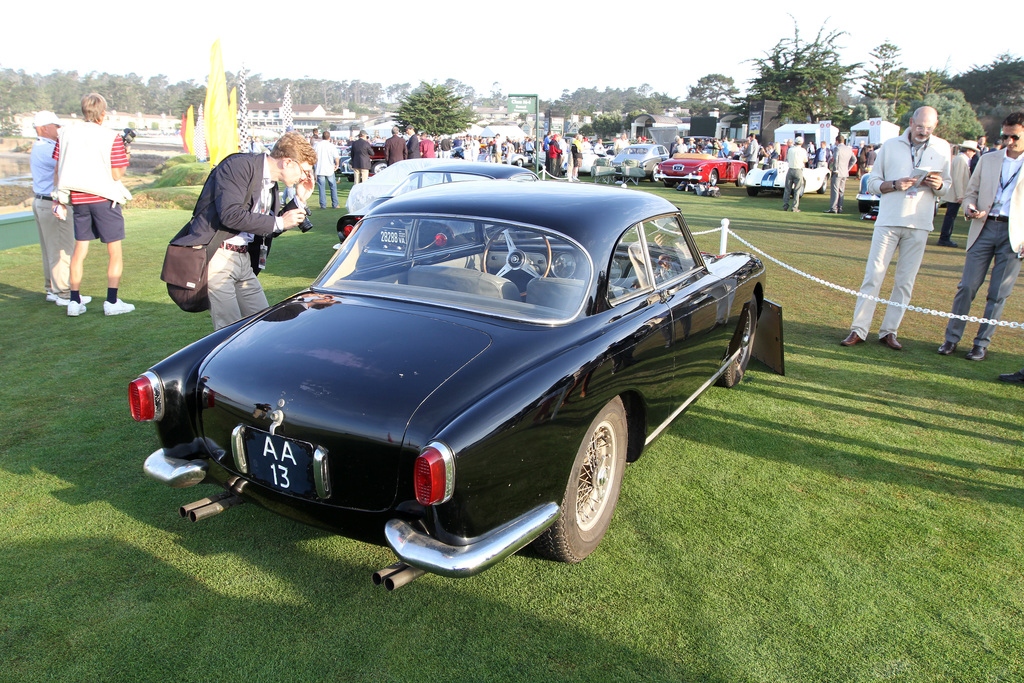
column 84, row 163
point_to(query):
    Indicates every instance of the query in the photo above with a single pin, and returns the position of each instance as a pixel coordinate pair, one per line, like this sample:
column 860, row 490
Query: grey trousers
column 838, row 191
column 992, row 245
column 794, row 188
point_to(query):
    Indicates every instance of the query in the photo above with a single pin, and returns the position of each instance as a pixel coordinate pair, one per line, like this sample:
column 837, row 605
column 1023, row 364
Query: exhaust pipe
column 396, row 575
column 184, row 510
column 214, row 508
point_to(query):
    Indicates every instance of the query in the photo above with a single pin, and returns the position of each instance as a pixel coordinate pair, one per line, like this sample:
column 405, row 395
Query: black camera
column 306, row 225
column 127, row 137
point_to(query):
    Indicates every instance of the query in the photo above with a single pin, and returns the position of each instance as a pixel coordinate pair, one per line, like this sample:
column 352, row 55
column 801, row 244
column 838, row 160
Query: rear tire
column 741, row 177
column 593, row 489
column 751, row 191
column 377, row 167
column 713, row 177
column 743, row 340
column 825, row 183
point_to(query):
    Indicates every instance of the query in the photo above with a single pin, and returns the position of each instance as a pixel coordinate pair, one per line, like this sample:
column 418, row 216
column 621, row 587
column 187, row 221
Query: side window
column 629, row 273
column 670, row 256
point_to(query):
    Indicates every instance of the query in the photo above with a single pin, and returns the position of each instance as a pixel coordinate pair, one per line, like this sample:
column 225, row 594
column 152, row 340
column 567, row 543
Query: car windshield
column 635, row 150
column 495, row 268
column 427, row 178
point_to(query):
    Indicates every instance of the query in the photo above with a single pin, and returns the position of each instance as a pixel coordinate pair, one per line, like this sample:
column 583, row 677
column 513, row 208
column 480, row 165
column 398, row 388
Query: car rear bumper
column 420, row 550
column 175, row 472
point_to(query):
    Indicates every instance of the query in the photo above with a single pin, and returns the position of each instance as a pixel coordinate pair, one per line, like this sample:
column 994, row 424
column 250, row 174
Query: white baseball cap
column 45, row 118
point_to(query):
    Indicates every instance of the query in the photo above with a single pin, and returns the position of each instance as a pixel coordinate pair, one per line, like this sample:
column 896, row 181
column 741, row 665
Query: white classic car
column 774, row 179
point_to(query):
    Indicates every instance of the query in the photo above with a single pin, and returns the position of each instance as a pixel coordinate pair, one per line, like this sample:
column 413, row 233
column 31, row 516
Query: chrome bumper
column 174, row 472
column 420, row 550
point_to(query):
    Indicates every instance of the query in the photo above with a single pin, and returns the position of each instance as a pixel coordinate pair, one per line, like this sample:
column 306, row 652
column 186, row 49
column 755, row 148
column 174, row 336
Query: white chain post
column 725, row 236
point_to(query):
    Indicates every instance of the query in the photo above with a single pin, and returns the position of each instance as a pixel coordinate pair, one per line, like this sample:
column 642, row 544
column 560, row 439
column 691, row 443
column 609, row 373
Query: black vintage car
column 471, row 373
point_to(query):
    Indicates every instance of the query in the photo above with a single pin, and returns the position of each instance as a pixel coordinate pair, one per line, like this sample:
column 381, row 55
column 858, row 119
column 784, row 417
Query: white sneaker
column 75, row 308
column 50, row 296
column 117, row 308
column 64, row 302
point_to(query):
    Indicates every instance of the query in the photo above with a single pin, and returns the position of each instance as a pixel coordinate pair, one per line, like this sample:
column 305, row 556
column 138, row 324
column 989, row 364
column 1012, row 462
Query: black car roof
column 594, row 216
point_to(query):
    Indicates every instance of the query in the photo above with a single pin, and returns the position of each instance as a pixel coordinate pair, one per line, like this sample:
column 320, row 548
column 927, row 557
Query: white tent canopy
column 808, row 131
column 875, row 131
column 509, row 132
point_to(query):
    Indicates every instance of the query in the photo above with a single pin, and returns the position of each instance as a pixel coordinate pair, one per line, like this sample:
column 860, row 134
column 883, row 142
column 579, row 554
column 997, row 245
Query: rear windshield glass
column 491, row 267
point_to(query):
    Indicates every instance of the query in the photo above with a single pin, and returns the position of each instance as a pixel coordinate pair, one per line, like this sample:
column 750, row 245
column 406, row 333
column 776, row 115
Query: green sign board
column 518, row 104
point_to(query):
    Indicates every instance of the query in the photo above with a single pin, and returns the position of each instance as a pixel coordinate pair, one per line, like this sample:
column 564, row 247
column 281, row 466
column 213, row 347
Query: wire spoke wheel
column 592, row 491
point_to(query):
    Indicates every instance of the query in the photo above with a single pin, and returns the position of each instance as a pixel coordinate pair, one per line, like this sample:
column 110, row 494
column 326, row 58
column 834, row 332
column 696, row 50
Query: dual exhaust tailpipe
column 215, row 504
column 396, row 575
column 391, row 577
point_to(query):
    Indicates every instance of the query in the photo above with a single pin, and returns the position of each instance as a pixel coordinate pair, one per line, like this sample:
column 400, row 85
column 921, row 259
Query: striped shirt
column 118, row 159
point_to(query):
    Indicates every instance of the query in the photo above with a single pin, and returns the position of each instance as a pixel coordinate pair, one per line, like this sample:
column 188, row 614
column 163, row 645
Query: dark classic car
column 377, row 163
column 690, row 169
column 366, row 196
column 469, row 374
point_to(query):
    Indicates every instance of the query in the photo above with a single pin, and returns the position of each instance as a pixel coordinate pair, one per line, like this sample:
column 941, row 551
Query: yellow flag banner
column 220, row 118
column 189, row 131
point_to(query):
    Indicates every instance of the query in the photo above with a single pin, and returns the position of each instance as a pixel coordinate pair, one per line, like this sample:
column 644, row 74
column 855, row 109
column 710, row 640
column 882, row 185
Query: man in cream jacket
column 994, row 203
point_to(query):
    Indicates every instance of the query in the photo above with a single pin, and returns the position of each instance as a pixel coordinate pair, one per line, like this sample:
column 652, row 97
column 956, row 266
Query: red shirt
column 118, row 159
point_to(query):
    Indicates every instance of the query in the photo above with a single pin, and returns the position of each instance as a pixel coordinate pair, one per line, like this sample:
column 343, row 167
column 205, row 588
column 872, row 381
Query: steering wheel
column 516, row 258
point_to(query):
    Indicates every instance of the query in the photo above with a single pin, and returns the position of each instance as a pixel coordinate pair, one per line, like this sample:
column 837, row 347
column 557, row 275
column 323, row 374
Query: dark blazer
column 225, row 206
column 413, row 146
column 395, row 150
column 360, row 153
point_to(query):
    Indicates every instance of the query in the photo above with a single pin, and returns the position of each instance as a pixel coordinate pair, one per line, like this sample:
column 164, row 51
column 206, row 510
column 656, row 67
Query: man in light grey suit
column 995, row 204
column 843, row 159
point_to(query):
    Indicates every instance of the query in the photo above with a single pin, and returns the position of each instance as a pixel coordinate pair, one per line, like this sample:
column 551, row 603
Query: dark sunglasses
column 1004, row 136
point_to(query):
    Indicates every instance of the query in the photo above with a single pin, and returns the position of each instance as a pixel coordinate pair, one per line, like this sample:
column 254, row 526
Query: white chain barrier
column 725, row 231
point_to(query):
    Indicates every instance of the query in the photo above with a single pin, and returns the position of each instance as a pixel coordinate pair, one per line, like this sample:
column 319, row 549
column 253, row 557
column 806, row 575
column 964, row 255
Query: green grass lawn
column 859, row 519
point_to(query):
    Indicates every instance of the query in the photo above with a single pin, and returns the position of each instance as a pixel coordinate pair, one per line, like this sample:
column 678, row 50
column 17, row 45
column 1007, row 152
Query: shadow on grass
column 118, row 613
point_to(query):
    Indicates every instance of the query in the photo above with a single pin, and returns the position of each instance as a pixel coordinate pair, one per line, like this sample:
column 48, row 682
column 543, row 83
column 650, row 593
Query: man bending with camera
column 238, row 207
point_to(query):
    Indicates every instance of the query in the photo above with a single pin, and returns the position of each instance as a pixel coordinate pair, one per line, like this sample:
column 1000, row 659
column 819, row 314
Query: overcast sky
column 481, row 43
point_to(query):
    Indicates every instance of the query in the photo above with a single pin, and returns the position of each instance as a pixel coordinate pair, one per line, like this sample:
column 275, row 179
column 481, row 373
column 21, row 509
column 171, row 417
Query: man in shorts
column 91, row 160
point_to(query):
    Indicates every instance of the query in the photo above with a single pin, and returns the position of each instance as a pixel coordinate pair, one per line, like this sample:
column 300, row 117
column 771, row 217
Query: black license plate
column 284, row 464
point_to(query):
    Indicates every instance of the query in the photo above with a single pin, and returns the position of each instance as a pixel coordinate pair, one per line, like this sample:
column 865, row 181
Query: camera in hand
column 306, row 225
column 127, row 137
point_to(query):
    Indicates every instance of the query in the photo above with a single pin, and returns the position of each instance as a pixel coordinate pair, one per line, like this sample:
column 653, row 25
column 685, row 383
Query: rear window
column 495, row 268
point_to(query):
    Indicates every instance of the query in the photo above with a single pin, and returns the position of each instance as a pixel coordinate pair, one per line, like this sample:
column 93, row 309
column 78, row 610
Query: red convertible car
column 700, row 168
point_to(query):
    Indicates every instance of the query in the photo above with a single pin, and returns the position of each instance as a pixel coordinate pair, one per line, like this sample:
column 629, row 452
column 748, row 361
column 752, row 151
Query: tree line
column 806, row 75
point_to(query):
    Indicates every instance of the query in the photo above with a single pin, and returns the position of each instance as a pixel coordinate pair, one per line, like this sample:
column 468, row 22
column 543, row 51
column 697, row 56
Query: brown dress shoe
column 947, row 348
column 854, row 338
column 976, row 353
column 890, row 341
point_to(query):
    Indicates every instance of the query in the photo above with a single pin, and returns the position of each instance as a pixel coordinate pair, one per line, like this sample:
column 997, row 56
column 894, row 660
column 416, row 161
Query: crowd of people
column 78, row 198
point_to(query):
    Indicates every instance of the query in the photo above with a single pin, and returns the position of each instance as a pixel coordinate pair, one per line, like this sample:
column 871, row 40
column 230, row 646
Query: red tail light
column 434, row 474
column 145, row 398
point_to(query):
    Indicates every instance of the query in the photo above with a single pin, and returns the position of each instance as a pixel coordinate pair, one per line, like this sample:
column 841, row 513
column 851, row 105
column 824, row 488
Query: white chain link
column 929, row 311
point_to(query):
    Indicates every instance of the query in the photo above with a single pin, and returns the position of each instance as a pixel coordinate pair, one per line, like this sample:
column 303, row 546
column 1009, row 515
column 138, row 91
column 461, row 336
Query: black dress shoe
column 830, row 211
column 947, row 243
column 1013, row 377
column 890, row 341
column 854, row 338
column 947, row 348
column 976, row 353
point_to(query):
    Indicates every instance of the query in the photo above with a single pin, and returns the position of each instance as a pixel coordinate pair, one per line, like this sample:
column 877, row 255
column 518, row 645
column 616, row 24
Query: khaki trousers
column 57, row 242
column 884, row 242
column 235, row 293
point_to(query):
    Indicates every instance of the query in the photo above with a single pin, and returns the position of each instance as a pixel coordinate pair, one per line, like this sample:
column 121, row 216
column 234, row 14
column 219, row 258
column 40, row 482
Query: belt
column 44, row 196
column 999, row 219
column 241, row 249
